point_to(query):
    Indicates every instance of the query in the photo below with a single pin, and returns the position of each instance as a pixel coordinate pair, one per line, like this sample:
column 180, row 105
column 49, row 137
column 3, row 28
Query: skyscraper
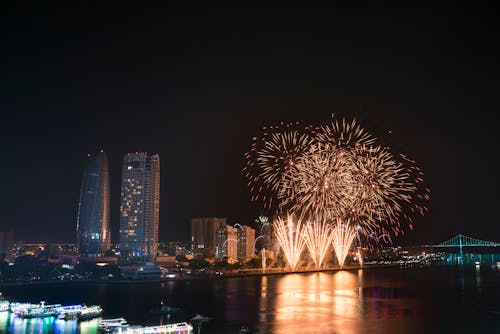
column 246, row 241
column 93, row 234
column 140, row 206
column 227, row 243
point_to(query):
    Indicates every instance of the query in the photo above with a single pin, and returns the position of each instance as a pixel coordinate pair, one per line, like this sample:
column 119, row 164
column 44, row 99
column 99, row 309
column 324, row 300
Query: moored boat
column 89, row 312
column 112, row 325
column 27, row 310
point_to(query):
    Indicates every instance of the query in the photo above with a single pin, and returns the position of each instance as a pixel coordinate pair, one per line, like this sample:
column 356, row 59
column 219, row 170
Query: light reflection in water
column 9, row 323
column 89, row 326
column 334, row 302
column 4, row 321
column 315, row 301
column 65, row 326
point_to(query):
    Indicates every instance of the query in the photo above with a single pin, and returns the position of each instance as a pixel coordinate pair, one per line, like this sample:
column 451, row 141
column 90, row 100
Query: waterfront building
column 204, row 233
column 227, row 243
column 246, row 240
column 92, row 225
column 146, row 271
column 140, row 206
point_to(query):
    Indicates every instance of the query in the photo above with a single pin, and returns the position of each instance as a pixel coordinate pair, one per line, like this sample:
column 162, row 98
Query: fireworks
column 343, row 236
column 271, row 158
column 290, row 238
column 338, row 178
column 318, row 237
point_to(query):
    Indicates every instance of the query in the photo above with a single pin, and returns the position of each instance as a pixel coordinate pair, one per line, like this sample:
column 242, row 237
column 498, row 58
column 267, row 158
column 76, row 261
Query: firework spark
column 343, row 236
column 291, row 239
column 318, row 237
column 329, row 174
column 271, row 158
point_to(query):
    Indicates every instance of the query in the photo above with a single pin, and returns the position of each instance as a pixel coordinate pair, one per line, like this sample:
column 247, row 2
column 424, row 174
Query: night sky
column 195, row 83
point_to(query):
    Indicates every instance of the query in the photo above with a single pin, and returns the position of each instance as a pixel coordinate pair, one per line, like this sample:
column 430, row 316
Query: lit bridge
column 464, row 241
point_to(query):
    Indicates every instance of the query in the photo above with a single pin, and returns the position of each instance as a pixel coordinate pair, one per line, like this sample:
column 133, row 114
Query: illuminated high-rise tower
column 140, row 206
column 92, row 225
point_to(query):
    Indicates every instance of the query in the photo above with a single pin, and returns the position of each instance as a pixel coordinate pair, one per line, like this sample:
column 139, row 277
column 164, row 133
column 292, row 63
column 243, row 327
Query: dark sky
column 195, row 83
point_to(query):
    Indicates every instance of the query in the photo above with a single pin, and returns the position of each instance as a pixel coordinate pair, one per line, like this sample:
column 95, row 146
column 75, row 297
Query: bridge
column 464, row 241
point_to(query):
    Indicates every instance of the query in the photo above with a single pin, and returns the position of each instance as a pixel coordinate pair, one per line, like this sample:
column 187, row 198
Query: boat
column 178, row 328
column 4, row 304
column 69, row 312
column 89, row 312
column 27, row 310
column 112, row 325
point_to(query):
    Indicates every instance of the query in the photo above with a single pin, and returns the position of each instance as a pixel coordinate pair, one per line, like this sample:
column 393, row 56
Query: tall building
column 204, row 234
column 92, row 224
column 140, row 206
column 246, row 241
column 227, row 243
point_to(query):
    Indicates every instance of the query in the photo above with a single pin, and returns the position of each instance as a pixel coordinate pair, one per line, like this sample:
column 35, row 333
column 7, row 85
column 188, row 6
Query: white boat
column 26, row 310
column 89, row 312
column 112, row 325
column 178, row 328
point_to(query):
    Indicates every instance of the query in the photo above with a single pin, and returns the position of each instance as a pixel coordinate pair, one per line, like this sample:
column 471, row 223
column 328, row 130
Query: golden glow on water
column 329, row 302
column 316, row 299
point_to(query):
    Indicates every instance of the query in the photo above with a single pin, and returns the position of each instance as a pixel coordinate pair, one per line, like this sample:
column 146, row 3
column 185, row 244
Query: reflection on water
column 4, row 321
column 9, row 323
column 339, row 302
column 384, row 300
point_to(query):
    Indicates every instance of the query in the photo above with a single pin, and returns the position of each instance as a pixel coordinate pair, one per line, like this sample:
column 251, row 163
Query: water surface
column 383, row 300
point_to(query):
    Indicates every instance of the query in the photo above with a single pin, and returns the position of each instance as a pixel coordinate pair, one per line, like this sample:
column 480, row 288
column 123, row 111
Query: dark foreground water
column 383, row 300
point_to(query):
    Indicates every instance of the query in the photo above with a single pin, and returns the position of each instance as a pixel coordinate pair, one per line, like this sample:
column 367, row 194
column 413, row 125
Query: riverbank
column 227, row 274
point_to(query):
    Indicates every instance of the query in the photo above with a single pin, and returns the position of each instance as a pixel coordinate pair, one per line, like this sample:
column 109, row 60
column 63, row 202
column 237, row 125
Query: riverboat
column 112, row 325
column 27, row 310
column 89, row 312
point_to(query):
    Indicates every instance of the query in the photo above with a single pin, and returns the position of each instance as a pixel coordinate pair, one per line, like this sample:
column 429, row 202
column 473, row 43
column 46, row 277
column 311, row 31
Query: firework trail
column 343, row 236
column 290, row 236
column 318, row 237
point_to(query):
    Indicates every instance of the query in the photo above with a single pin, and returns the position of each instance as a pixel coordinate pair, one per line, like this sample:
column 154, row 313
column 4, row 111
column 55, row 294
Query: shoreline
column 238, row 273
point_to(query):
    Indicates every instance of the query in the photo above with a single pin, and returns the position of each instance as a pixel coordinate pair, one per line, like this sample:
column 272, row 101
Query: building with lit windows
column 227, row 243
column 92, row 224
column 140, row 206
column 246, row 241
column 204, row 234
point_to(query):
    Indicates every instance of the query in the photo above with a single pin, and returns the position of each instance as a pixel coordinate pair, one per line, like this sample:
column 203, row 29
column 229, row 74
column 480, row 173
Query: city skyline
column 201, row 91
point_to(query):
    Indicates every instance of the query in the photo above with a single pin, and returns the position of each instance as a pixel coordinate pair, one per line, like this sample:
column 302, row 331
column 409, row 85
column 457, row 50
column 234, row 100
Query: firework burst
column 271, row 159
column 331, row 174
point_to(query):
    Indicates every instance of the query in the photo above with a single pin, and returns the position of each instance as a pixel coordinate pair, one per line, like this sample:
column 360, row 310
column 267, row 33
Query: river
column 442, row 299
